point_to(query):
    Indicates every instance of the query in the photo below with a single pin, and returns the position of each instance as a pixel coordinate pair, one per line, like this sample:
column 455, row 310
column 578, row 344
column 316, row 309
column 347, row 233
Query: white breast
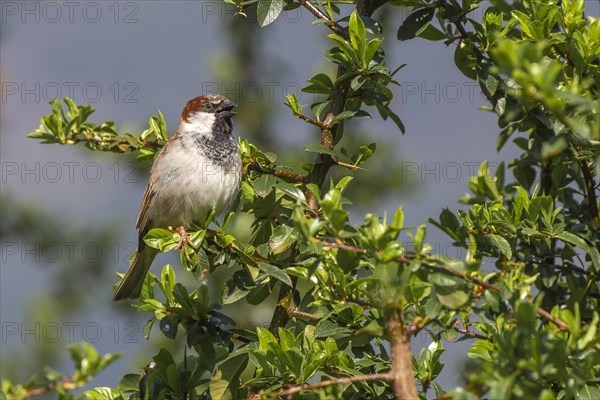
column 189, row 184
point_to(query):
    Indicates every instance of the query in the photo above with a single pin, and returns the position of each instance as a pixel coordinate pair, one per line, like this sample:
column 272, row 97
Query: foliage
column 87, row 363
column 350, row 295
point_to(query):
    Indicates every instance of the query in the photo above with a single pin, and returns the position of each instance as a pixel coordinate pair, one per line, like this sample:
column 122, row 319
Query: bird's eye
column 209, row 105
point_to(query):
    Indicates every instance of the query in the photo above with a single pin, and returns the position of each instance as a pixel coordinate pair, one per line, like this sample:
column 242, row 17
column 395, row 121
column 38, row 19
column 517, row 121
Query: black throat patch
column 219, row 146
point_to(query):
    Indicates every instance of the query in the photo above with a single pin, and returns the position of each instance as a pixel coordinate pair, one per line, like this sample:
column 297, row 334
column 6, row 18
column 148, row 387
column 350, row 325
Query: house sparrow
column 198, row 168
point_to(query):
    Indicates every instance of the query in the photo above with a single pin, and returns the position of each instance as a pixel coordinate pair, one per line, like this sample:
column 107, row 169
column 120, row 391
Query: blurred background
column 68, row 215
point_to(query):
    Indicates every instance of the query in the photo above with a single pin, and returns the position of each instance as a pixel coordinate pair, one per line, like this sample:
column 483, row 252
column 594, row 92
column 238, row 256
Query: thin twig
column 66, row 383
column 350, row 166
column 282, row 174
column 145, row 143
column 469, row 333
column 319, row 14
column 295, row 312
column 561, row 325
column 309, row 120
column 331, row 382
column 477, row 281
column 358, row 250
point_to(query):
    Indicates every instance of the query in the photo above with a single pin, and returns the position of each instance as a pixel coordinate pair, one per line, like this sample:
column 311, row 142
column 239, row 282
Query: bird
column 198, row 169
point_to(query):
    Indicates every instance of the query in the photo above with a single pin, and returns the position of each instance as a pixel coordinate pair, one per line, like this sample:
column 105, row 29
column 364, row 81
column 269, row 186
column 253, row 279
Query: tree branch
column 319, row 172
column 295, row 312
column 319, row 14
column 485, row 285
column 66, row 383
column 282, row 174
column 592, row 201
column 339, row 381
column 339, row 97
column 123, row 145
column 402, row 371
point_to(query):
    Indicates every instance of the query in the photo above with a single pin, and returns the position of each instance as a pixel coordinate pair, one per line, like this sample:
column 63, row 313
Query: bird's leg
column 184, row 241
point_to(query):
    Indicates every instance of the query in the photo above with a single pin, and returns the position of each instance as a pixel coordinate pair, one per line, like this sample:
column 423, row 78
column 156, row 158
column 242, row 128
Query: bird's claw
column 185, row 242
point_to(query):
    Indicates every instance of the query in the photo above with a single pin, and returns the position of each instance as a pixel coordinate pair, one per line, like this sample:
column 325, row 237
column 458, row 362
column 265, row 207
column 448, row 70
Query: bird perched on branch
column 197, row 170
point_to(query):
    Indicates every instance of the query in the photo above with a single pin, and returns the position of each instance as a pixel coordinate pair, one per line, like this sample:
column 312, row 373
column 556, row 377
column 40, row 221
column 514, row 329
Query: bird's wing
column 142, row 220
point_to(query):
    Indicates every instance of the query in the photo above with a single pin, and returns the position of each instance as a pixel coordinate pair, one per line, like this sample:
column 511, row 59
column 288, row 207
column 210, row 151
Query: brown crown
column 198, row 104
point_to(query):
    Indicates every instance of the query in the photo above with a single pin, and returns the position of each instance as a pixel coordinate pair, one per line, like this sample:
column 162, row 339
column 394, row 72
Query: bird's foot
column 185, row 242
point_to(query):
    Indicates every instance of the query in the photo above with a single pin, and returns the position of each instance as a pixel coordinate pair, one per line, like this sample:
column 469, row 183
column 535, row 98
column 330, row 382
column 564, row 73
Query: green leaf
column 526, row 24
column 371, row 50
column 267, row 11
column 503, row 245
column 148, row 328
column 358, row 36
column 431, row 33
column 103, row 393
column 346, row 48
column 449, row 290
column 327, row 328
column 465, row 60
column 581, row 243
column 129, row 383
column 351, row 114
column 282, row 238
column 169, row 325
column 162, row 239
column 386, row 112
column 292, row 102
column 168, row 281
column 320, row 83
column 332, row 208
column 319, row 148
column 274, row 272
column 415, row 23
column 481, row 350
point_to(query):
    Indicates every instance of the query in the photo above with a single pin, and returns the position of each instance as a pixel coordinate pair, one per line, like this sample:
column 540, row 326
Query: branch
column 350, row 166
column 343, row 246
column 592, row 201
column 65, row 383
column 402, row 371
column 339, row 96
column 295, row 312
column 130, row 147
column 311, row 121
column 469, row 333
column 319, row 14
column 282, row 174
column 317, row 176
column 477, row 281
column 339, row 381
column 485, row 285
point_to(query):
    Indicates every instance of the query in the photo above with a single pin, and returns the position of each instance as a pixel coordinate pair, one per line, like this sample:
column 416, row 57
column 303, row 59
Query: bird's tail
column 131, row 285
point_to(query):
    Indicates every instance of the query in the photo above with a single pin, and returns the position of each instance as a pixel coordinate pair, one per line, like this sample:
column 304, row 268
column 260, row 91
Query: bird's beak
column 226, row 107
